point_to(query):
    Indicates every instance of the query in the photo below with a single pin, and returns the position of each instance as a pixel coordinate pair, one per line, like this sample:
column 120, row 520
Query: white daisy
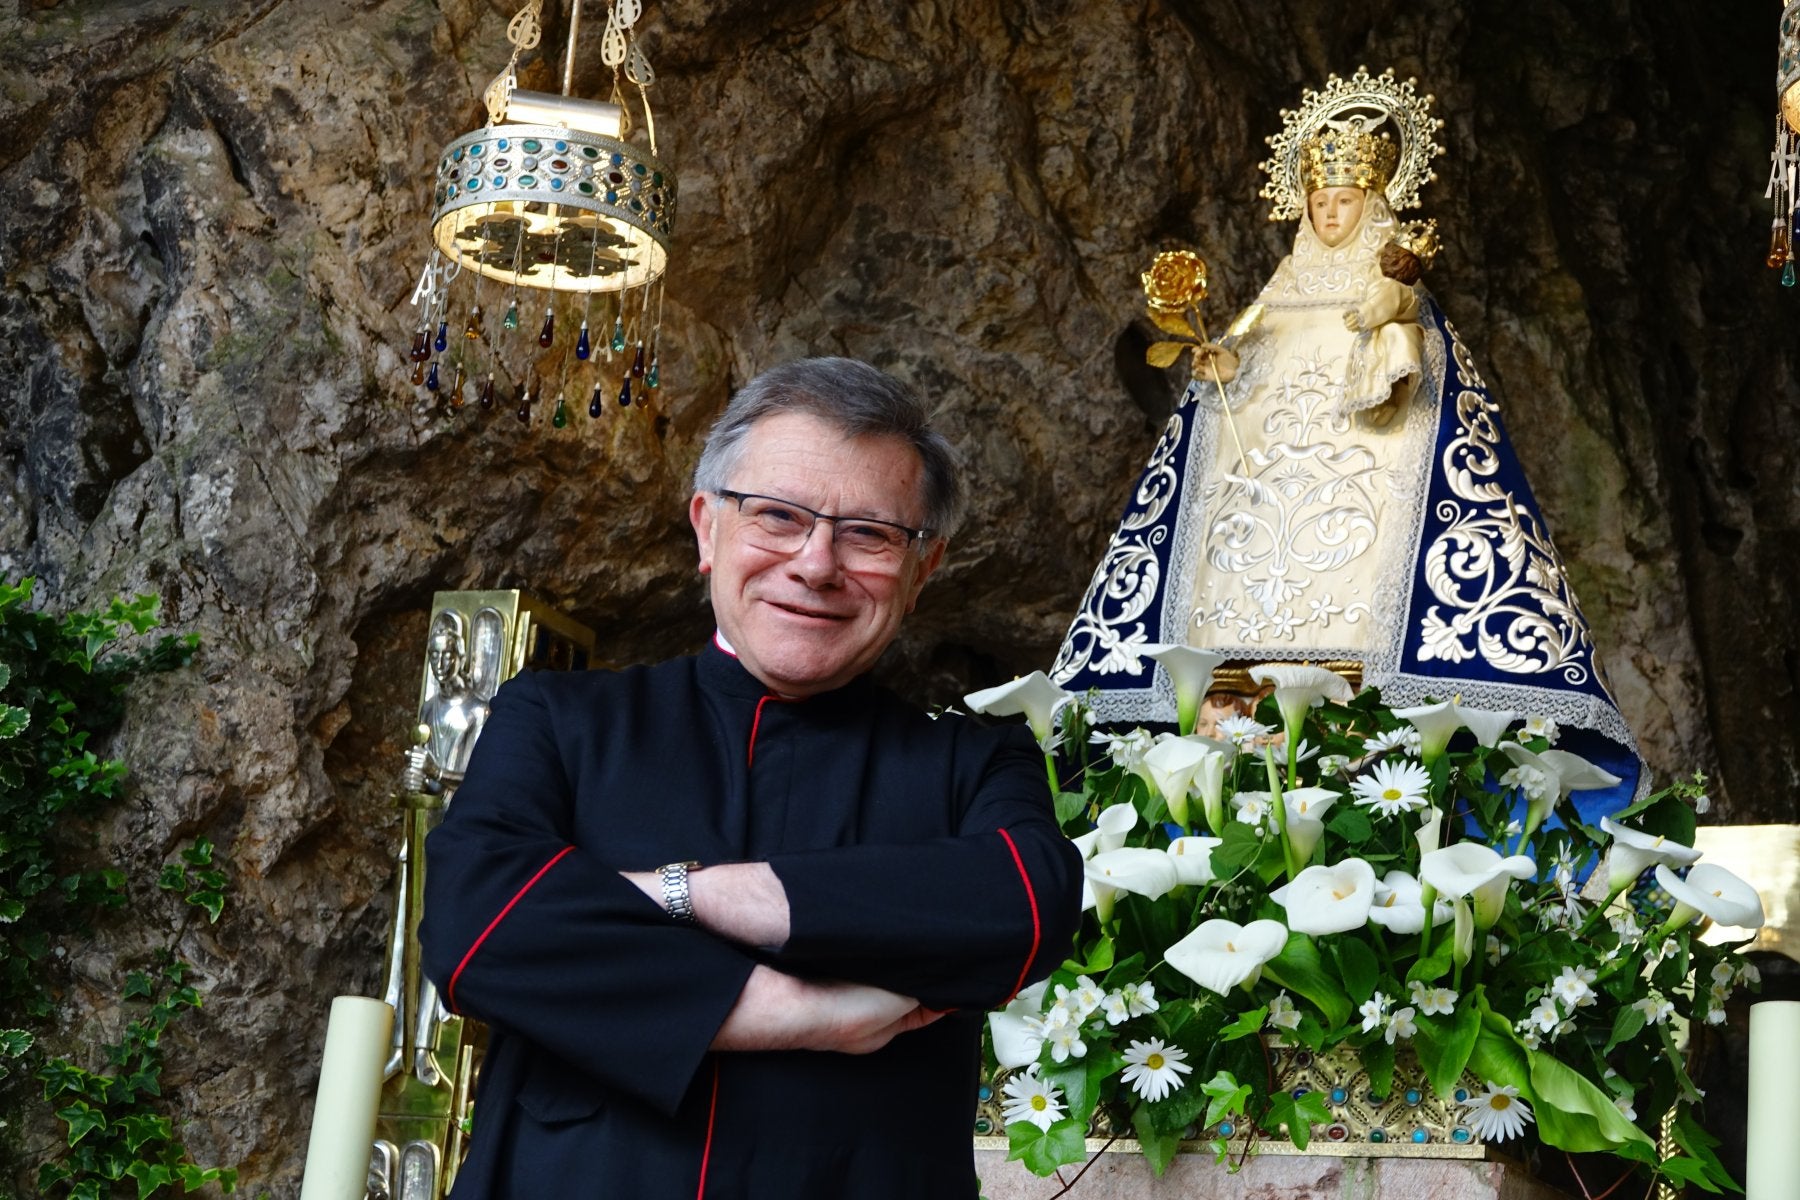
column 1393, row 739
column 1241, row 731
column 1401, row 1024
column 1496, row 1113
column 1029, row 1098
column 1374, row 1011
column 1392, row 787
column 1154, row 1070
column 1282, row 1013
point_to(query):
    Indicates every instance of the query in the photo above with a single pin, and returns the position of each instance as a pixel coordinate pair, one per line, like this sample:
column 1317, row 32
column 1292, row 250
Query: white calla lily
column 1477, row 871
column 1209, row 782
column 1171, row 766
column 1487, row 724
column 1032, row 696
column 1221, row 954
column 1306, row 809
column 1191, row 672
column 1463, row 948
column 1431, row 831
column 1298, row 688
column 1577, row 774
column 1113, row 823
column 1143, row 872
column 1193, row 858
column 1633, row 852
column 1018, row 1029
column 1331, row 899
column 1714, row 892
column 1563, row 773
column 1399, row 904
column 1436, row 724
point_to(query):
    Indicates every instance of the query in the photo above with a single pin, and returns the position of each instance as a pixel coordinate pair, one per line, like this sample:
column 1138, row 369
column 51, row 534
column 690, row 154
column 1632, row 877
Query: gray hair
column 857, row 400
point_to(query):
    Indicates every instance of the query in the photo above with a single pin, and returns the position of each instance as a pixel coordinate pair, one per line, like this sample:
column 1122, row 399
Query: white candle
column 343, row 1127
column 1772, row 1131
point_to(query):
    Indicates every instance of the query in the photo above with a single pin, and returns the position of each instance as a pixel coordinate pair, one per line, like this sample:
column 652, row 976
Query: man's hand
column 779, row 1012
column 744, row 902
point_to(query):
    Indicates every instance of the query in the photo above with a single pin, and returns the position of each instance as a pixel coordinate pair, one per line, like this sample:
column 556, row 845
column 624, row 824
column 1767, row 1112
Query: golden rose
column 1175, row 281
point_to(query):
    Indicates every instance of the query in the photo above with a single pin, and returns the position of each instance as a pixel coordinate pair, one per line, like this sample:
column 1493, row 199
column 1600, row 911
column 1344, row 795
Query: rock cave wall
column 215, row 213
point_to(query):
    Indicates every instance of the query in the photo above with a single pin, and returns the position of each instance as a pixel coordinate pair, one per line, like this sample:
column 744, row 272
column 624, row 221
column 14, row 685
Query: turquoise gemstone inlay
column 1420, row 1137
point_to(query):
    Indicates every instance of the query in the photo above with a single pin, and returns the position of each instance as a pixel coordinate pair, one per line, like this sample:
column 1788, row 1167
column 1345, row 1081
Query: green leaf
column 1041, row 1150
column 1378, row 1060
column 1689, row 1170
column 1444, row 1045
column 1246, row 1024
column 1698, row 1143
column 1068, row 804
column 1299, row 969
column 1628, row 1022
column 139, row 1128
column 1081, row 1080
column 173, row 877
column 1159, row 1146
column 13, row 721
column 82, row 1119
column 212, row 902
column 1498, row 1056
column 1351, row 824
column 14, row 1042
column 137, row 983
column 151, row 1177
column 1357, row 965
column 1237, row 851
column 1436, row 965
column 1299, row 1116
column 1226, row 1097
column 1572, row 1113
column 1100, row 959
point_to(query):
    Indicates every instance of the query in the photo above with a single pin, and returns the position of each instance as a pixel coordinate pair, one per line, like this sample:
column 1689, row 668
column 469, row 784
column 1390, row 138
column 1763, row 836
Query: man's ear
column 928, row 562
column 702, row 514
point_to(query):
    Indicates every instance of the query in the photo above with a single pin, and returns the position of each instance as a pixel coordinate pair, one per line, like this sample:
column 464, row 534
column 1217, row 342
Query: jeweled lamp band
column 1787, row 71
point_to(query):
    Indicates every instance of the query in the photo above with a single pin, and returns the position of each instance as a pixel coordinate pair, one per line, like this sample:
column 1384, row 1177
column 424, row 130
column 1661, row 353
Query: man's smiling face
column 802, row 623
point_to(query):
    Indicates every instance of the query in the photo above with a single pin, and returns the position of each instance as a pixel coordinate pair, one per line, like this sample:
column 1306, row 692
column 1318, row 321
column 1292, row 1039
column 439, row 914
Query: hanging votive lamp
column 1785, row 161
column 556, row 194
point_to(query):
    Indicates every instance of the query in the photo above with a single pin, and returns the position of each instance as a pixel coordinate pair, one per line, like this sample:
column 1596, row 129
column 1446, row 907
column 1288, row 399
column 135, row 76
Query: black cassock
column 918, row 855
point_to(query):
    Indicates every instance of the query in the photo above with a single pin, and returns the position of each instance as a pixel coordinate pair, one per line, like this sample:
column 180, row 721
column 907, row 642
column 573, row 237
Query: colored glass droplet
column 547, row 334
column 1787, row 274
column 421, row 347
column 637, row 362
column 473, row 329
column 487, row 393
column 653, row 377
column 625, row 393
column 560, row 418
column 511, row 320
column 618, row 337
column 442, row 341
column 594, row 404
column 456, row 389
column 418, row 375
column 524, row 413
column 431, row 380
column 582, row 347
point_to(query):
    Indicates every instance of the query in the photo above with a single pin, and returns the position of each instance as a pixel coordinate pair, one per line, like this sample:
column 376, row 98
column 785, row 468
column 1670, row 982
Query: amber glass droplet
column 595, row 403
column 421, row 347
column 456, row 389
column 442, row 342
column 487, row 392
column 583, row 347
column 472, row 330
column 625, row 393
column 418, row 375
column 637, row 362
column 547, row 334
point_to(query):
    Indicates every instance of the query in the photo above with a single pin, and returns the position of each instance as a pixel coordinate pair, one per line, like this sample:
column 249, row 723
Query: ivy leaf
column 151, row 1177
column 213, row 902
column 82, row 1119
column 137, row 983
column 1298, row 1115
column 1237, row 851
column 199, row 854
column 1041, row 1150
column 1689, row 1170
column 1247, row 1024
column 1099, row 961
column 1067, row 805
column 173, row 877
column 139, row 1128
column 1226, row 1097
column 1351, row 824
column 14, row 1042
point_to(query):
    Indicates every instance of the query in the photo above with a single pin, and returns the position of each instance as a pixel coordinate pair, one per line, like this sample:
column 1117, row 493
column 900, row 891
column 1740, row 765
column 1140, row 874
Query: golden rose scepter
column 1174, row 286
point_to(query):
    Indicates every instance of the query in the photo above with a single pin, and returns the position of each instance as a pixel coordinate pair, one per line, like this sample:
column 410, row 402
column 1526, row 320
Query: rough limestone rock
column 215, row 213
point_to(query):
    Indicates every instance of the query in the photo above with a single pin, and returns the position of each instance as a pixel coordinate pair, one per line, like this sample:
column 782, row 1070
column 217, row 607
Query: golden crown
column 1343, row 116
column 1350, row 156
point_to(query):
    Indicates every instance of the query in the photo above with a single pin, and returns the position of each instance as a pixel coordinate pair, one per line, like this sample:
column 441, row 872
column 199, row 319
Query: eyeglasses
column 862, row 543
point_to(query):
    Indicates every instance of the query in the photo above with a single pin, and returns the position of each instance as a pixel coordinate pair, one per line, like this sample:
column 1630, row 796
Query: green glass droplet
column 653, row 377
column 618, row 338
column 511, row 320
column 1787, row 275
column 561, row 417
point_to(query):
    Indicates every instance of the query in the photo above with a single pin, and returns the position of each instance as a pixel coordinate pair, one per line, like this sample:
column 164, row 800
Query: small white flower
column 1623, row 1104
column 1703, row 804
column 1626, row 926
column 1115, row 1009
column 1253, row 808
column 1529, row 780
column 1332, row 764
column 1545, row 1016
column 1154, row 1070
column 1140, row 998
column 1401, row 1025
column 1241, row 731
column 1748, row 973
column 1392, row 787
column 1571, row 986
column 1127, row 750
column 1530, row 1038
column 1029, row 1098
column 1434, row 1002
column 1282, row 1013
column 1065, row 1041
column 1715, row 1015
column 1374, row 1011
column 1542, row 727
column 1496, row 1114
column 1084, row 1001
column 1513, row 828
column 1723, row 972
column 1656, row 1010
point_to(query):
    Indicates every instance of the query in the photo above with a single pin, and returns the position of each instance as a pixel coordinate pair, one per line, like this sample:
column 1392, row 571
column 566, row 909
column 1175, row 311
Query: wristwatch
column 678, row 900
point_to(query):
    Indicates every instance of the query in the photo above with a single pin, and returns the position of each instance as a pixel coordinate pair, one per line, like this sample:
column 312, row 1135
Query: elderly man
column 733, row 918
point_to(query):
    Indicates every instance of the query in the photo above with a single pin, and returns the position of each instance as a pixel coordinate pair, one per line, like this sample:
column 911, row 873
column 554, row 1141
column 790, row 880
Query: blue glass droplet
column 625, row 392
column 594, row 404
column 442, row 341
column 582, row 347
column 431, row 380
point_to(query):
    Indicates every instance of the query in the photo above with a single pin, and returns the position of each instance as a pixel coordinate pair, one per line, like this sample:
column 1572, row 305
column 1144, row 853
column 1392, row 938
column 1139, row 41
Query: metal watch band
column 678, row 899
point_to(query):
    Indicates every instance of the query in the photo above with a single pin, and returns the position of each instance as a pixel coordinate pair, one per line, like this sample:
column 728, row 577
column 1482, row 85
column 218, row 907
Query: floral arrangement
column 1345, row 875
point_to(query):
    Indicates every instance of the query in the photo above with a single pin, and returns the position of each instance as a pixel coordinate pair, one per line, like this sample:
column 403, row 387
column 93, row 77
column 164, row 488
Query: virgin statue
column 1335, row 486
